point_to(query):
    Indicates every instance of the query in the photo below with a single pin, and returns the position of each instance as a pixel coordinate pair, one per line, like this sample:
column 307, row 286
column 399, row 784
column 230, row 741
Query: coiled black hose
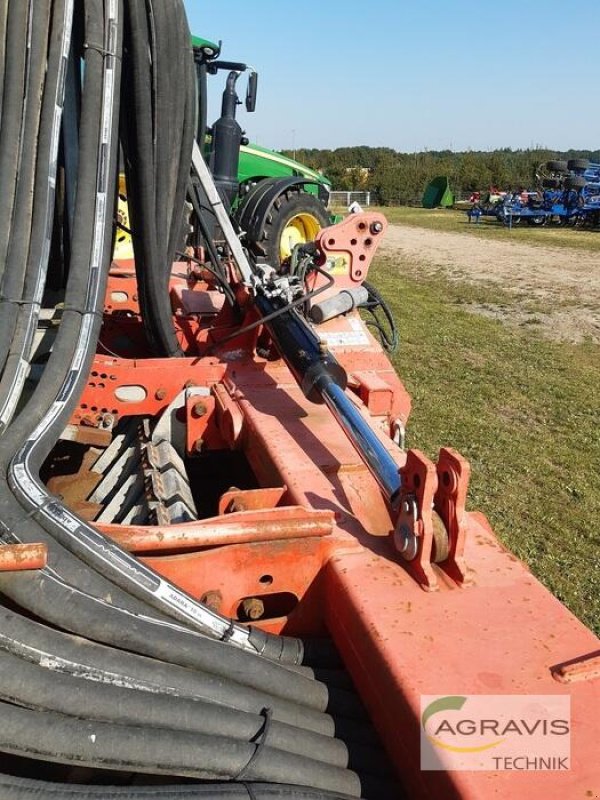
column 11, row 285
column 64, row 653
column 161, row 91
column 27, row 312
column 13, row 112
column 26, row 789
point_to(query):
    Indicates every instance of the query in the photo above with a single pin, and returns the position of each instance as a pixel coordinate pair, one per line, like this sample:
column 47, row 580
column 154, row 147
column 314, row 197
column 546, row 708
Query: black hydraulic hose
column 149, row 184
column 157, row 751
column 28, row 789
column 11, row 285
column 15, row 372
column 23, row 683
column 63, row 653
column 34, row 497
column 13, row 101
column 61, row 605
column 84, row 290
column 175, row 112
column 3, row 21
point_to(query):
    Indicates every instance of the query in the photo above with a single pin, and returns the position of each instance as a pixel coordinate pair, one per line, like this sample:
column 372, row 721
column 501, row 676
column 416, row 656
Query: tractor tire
column 557, row 166
column 578, row 164
column 295, row 218
column 537, row 221
column 550, row 183
column 575, row 182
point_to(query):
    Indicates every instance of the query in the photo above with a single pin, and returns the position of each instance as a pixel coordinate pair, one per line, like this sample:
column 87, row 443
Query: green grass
column 454, row 221
column 522, row 409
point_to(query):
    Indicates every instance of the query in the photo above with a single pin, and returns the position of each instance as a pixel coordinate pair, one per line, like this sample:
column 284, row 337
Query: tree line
column 401, row 178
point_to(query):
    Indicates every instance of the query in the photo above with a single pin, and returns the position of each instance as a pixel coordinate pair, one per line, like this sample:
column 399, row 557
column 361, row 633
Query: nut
column 212, row 599
column 253, row 608
column 199, row 410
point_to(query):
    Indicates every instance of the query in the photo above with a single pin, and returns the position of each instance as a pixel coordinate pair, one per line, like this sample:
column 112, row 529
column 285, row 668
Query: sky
column 424, row 74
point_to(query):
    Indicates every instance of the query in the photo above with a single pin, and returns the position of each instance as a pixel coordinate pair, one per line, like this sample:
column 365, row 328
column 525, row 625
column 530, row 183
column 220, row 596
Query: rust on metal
column 17, row 557
column 584, row 668
column 235, row 528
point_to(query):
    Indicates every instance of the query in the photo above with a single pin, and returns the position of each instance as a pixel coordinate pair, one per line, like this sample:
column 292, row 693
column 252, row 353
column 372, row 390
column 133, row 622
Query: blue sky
column 428, row 74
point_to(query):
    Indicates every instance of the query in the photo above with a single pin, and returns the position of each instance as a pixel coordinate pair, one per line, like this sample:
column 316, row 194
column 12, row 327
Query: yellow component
column 338, row 264
column 300, row 229
column 123, row 244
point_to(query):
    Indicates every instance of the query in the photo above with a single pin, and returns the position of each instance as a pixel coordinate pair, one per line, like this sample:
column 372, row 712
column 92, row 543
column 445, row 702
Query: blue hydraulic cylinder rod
column 323, row 380
column 375, row 455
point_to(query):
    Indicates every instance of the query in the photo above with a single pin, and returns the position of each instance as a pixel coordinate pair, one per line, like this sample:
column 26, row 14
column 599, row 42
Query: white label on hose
column 28, row 487
column 192, row 610
column 86, row 325
column 13, row 399
column 108, row 112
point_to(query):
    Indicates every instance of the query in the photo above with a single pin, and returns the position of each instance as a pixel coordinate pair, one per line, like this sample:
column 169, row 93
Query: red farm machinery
column 221, row 574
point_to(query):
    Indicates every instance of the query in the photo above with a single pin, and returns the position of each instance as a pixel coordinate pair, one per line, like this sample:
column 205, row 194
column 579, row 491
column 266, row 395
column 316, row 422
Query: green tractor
column 277, row 201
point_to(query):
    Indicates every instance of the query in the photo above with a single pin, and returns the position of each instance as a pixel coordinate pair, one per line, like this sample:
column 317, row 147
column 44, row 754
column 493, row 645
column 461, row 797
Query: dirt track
column 555, row 288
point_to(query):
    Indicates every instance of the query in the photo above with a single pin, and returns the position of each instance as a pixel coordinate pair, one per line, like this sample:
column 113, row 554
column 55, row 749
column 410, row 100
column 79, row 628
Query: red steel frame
column 320, row 535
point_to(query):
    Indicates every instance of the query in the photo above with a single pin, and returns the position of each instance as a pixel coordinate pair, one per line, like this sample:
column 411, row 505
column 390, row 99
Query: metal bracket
column 431, row 524
column 449, row 501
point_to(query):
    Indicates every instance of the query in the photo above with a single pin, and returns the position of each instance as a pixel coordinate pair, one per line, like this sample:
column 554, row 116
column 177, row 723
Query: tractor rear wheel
column 557, row 166
column 575, row 182
column 295, row 218
column 578, row 164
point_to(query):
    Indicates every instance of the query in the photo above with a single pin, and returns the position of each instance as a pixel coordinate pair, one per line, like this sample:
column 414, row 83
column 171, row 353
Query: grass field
column 441, row 219
column 524, row 410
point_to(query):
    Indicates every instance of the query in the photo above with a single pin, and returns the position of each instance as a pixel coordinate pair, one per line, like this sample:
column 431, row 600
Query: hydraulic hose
column 27, row 789
column 13, row 112
column 161, row 91
column 156, row 751
column 80, row 658
column 3, row 21
column 11, row 286
column 25, row 684
column 16, row 368
column 45, row 596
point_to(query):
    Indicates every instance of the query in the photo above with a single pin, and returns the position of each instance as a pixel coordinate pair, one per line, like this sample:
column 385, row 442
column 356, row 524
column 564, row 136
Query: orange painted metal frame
column 319, row 534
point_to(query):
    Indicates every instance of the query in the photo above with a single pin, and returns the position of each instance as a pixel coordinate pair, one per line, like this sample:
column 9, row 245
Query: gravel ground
column 556, row 289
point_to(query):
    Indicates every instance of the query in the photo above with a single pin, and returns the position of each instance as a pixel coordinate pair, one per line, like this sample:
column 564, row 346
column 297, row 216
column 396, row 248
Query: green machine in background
column 278, row 201
column 438, row 193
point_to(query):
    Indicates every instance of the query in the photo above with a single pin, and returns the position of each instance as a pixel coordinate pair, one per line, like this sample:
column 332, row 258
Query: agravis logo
column 451, row 703
column 495, row 732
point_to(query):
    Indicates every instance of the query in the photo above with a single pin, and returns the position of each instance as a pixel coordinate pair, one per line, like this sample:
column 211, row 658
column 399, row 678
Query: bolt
column 212, row 599
column 199, row 410
column 376, row 227
column 253, row 608
column 198, row 445
column 160, row 394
